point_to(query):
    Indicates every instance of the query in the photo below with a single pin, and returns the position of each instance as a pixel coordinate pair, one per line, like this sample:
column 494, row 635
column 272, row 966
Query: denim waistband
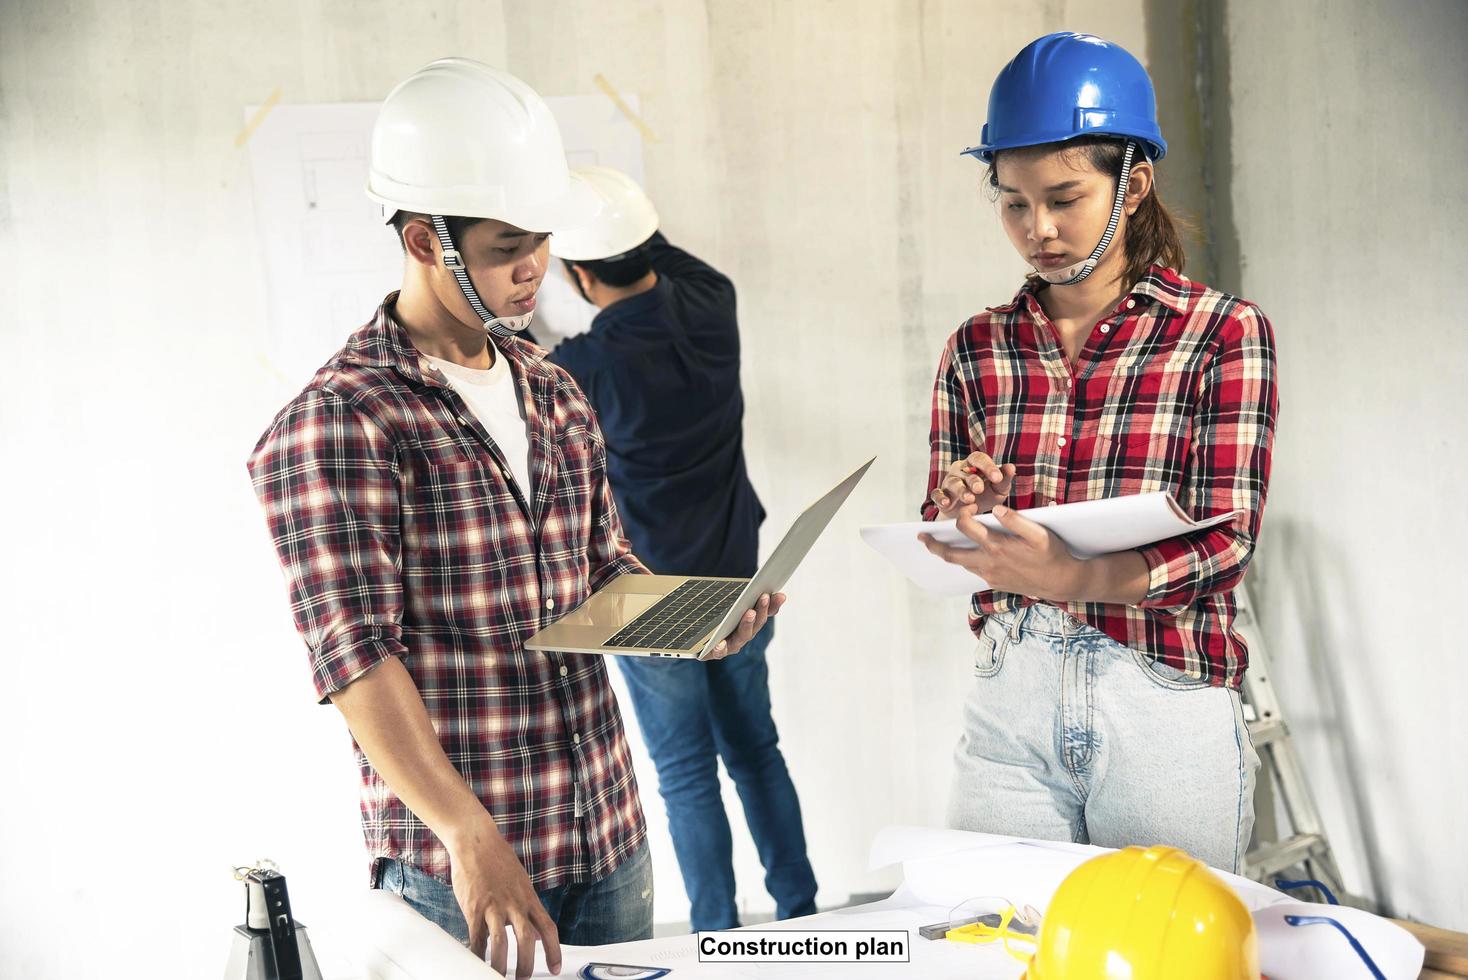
column 1041, row 619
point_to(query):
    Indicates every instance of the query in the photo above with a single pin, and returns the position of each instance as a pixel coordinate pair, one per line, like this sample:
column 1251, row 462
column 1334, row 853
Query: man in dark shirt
column 661, row 367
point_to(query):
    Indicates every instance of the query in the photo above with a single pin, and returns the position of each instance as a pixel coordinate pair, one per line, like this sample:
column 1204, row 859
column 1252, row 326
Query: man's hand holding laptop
column 749, row 624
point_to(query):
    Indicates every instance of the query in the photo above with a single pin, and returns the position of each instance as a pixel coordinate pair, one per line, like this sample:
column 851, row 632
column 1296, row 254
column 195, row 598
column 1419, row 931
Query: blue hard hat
column 1067, row 85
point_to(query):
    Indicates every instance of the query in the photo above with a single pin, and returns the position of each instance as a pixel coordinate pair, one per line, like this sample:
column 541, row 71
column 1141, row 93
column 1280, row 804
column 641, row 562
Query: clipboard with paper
column 1088, row 528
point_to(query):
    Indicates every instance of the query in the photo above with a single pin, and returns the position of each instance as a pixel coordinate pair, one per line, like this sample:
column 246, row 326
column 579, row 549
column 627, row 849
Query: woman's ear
column 1139, row 185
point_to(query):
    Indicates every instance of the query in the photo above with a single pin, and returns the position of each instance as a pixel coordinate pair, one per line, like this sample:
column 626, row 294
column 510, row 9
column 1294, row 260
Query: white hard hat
column 460, row 138
column 626, row 220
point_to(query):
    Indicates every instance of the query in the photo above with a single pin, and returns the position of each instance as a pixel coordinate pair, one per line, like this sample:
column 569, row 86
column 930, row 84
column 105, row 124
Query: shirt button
column 550, row 603
column 1105, row 328
column 576, row 738
column 564, row 671
column 461, row 419
column 1131, row 303
column 1060, row 441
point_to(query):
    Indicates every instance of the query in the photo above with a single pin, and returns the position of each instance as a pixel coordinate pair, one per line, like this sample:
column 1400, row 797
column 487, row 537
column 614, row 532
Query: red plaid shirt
column 1175, row 391
column 402, row 534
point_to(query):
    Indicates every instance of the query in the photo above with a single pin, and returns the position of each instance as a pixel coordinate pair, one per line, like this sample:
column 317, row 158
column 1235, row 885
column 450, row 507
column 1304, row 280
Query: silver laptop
column 681, row 615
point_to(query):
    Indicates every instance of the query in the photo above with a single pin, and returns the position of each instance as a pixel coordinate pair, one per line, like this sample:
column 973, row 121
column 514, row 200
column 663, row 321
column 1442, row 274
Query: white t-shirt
column 494, row 398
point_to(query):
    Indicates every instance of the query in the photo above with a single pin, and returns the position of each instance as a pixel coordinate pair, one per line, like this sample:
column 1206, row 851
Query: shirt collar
column 1160, row 284
column 1167, row 287
column 383, row 342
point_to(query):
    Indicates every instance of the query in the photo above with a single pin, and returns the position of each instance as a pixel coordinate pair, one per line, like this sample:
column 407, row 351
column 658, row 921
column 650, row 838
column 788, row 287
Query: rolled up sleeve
column 327, row 480
column 1233, row 440
column 952, row 431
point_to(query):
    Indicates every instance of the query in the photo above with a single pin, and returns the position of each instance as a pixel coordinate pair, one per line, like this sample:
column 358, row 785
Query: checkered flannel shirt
column 402, row 534
column 1175, row 391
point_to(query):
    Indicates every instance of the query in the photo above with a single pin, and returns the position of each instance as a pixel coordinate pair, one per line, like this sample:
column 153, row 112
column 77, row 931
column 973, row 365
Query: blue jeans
column 616, row 909
column 1068, row 735
column 692, row 713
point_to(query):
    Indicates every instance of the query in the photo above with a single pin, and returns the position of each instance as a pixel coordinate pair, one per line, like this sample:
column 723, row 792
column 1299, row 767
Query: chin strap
column 500, row 326
column 1073, row 274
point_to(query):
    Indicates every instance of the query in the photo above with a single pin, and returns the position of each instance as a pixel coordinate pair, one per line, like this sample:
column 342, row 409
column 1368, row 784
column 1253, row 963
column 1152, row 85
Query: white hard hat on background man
column 627, row 219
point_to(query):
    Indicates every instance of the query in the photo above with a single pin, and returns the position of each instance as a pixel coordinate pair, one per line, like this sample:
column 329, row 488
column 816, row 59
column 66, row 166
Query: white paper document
column 1296, row 942
column 1088, row 528
column 941, row 870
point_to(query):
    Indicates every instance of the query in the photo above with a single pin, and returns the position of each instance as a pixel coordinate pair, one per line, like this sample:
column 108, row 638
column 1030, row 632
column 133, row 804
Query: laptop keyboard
column 681, row 617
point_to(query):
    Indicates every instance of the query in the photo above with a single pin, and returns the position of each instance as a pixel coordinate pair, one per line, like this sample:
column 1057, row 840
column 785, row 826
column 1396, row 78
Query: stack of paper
column 1088, row 528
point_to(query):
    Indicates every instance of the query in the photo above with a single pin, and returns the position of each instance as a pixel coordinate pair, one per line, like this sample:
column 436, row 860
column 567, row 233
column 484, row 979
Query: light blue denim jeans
column 1069, row 735
column 614, row 909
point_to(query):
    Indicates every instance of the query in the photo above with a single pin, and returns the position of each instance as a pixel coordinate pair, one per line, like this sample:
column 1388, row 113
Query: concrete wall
column 810, row 149
column 1348, row 147
column 147, row 639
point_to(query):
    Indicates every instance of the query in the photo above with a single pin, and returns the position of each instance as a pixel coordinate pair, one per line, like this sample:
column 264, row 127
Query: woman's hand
column 976, row 481
column 1028, row 560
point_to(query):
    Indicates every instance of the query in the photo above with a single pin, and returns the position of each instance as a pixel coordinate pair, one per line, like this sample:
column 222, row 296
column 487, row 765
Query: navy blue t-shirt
column 662, row 371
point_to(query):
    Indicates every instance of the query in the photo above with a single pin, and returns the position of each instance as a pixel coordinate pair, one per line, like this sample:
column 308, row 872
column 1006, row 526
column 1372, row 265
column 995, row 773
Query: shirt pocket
column 455, row 479
column 579, row 457
column 576, row 458
column 442, row 471
column 451, row 499
column 1144, row 438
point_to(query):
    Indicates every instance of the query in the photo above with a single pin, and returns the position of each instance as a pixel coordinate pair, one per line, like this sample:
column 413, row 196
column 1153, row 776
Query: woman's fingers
column 983, row 465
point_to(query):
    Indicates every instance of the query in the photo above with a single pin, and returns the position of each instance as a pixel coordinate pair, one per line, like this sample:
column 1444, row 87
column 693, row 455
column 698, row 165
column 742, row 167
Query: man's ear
column 420, row 242
column 584, row 279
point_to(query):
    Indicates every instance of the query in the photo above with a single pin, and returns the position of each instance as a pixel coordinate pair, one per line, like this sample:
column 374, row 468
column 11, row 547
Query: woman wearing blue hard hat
column 1105, row 706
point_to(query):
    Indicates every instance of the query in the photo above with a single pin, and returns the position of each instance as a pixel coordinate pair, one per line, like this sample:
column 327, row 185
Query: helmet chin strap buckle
column 508, row 326
column 452, row 259
column 1070, row 274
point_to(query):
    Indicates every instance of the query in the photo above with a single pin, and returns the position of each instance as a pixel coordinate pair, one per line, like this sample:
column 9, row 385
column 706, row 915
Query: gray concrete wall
column 1348, row 147
column 147, row 639
column 809, row 149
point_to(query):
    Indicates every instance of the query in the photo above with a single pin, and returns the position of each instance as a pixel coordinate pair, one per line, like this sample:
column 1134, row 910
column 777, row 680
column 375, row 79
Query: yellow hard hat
column 1153, row 914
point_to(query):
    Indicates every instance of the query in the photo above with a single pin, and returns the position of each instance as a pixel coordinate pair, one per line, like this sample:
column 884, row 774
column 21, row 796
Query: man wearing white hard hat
column 661, row 366
column 437, row 494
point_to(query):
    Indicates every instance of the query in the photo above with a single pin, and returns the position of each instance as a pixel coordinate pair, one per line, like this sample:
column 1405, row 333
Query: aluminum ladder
column 1273, row 851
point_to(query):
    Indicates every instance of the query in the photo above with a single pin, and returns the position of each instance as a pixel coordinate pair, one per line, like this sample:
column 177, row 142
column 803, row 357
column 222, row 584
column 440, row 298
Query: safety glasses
column 990, row 919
